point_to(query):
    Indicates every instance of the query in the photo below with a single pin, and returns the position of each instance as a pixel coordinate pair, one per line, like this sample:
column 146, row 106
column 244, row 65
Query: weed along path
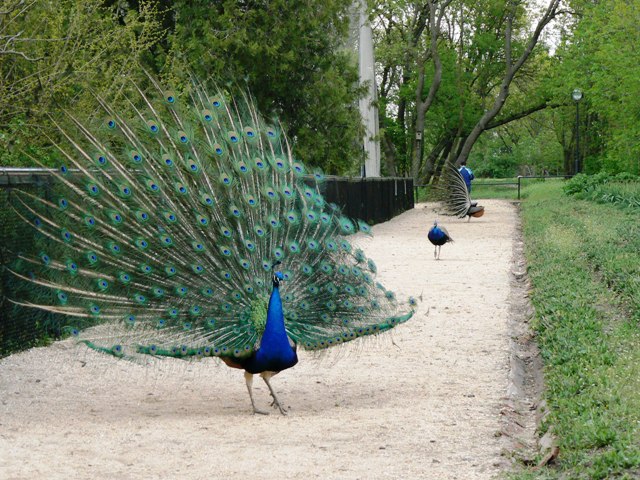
column 426, row 402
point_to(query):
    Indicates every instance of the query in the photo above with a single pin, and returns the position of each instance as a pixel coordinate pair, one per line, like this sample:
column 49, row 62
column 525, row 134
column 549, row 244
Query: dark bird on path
column 438, row 236
column 182, row 226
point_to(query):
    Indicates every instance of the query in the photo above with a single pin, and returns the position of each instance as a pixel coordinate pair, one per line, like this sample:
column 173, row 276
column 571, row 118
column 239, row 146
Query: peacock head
column 435, row 223
column 277, row 276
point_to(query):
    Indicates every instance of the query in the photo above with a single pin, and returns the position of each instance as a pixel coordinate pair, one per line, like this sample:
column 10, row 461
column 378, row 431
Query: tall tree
column 398, row 31
column 483, row 51
column 292, row 57
column 436, row 12
column 512, row 66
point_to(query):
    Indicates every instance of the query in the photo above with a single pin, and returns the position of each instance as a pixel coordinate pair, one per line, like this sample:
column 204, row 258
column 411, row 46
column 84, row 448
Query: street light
column 577, row 96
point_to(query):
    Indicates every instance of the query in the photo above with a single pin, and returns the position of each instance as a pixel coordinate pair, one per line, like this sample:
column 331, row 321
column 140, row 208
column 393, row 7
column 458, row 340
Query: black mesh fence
column 373, row 200
column 20, row 327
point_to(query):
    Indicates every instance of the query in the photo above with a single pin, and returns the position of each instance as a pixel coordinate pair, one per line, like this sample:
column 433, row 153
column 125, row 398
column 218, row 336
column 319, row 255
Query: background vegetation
column 528, row 122
column 490, row 80
column 291, row 56
column 584, row 264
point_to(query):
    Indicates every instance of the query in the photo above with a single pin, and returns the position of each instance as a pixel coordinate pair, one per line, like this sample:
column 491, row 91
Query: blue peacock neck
column 275, row 352
column 274, row 328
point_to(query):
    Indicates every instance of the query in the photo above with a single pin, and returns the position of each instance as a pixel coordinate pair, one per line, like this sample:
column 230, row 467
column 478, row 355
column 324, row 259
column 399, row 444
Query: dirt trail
column 422, row 403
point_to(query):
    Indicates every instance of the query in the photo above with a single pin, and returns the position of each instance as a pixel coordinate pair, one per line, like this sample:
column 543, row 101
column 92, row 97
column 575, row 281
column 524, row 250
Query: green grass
column 584, row 265
column 625, row 194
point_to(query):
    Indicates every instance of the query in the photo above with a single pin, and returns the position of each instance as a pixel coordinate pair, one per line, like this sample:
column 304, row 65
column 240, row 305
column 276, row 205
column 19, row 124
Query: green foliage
column 527, row 147
column 598, row 56
column 584, row 183
column 584, row 262
column 68, row 52
column 292, row 58
column 18, row 149
column 622, row 189
column 289, row 56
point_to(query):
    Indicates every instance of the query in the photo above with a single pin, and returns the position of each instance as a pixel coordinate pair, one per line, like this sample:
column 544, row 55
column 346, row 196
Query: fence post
column 519, row 178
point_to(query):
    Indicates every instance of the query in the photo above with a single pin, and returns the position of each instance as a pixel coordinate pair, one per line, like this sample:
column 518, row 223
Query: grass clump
column 584, row 265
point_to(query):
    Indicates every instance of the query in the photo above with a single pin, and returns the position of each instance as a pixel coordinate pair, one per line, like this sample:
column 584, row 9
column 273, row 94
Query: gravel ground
column 424, row 402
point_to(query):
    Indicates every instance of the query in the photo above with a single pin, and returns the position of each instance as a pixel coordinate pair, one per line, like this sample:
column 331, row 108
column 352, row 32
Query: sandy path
column 423, row 403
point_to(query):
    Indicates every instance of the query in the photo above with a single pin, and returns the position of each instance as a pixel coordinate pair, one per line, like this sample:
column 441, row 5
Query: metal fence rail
column 374, row 200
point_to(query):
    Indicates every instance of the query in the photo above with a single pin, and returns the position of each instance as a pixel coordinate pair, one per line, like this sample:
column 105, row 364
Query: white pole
column 368, row 108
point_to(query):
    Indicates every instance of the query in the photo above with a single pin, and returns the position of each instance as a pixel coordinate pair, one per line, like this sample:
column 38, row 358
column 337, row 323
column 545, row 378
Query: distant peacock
column 438, row 236
column 454, row 195
column 173, row 232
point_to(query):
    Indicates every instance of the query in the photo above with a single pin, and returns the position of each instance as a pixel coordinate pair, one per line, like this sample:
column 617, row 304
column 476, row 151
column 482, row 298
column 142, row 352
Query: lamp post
column 577, row 96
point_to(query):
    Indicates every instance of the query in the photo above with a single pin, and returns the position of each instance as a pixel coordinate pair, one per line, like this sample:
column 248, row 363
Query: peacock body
column 456, row 200
column 174, row 227
column 438, row 236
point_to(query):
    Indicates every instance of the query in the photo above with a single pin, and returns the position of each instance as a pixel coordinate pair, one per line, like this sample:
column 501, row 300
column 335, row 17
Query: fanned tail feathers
column 453, row 193
column 162, row 231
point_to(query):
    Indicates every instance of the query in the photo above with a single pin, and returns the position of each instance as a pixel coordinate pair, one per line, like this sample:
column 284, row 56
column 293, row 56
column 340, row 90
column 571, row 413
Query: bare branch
column 21, row 54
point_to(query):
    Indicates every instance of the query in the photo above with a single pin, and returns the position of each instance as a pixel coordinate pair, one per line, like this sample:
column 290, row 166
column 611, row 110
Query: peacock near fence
column 188, row 229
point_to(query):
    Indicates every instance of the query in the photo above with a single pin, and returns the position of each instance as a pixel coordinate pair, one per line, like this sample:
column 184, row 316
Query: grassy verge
column 584, row 264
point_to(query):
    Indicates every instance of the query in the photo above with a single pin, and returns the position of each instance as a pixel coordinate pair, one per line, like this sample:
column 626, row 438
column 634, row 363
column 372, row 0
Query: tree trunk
column 435, row 153
column 422, row 106
column 389, row 152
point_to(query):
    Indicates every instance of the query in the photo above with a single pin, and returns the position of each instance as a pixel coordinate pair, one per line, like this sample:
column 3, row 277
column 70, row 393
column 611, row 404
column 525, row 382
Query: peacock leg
column 435, row 252
column 439, row 248
column 249, row 379
column 266, row 376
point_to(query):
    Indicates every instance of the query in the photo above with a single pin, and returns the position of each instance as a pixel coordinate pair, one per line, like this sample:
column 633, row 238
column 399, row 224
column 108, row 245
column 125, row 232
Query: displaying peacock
column 454, row 195
column 438, row 236
column 173, row 231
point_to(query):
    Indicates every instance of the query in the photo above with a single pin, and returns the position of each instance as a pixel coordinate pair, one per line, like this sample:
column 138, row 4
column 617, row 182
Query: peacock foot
column 276, row 404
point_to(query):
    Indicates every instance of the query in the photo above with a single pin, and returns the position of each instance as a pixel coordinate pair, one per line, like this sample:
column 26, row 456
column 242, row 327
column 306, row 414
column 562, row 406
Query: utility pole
column 368, row 104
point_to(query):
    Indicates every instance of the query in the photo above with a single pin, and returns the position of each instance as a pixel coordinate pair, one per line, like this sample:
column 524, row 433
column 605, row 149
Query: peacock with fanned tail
column 175, row 230
column 454, row 195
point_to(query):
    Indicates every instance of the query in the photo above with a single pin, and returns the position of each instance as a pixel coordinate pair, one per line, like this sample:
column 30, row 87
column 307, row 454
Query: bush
column 622, row 189
column 584, row 183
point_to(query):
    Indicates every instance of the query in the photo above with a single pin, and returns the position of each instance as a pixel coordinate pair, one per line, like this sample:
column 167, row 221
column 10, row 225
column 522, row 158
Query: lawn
column 584, row 265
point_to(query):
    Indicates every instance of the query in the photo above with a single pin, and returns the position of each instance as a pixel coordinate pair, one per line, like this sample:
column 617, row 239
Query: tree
column 597, row 53
column 511, row 69
column 291, row 56
column 483, row 49
column 62, row 54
